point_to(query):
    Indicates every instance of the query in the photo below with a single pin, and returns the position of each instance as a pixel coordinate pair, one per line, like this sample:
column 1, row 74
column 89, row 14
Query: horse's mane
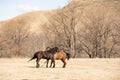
column 53, row 50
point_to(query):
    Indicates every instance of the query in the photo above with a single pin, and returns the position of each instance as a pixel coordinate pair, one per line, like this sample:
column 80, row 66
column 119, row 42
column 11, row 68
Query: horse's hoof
column 53, row 67
column 37, row 66
column 63, row 66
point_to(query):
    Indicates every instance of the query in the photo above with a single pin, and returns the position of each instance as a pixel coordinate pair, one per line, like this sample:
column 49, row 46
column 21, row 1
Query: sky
column 12, row 8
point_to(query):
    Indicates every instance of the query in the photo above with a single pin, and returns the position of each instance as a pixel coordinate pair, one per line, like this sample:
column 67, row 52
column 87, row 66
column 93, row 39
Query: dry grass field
column 76, row 69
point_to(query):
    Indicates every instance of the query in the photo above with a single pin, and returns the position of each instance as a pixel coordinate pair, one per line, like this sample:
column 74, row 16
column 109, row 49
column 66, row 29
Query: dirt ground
column 76, row 69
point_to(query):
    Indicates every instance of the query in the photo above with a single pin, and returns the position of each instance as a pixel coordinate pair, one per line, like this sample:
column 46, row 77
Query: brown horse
column 48, row 54
column 60, row 56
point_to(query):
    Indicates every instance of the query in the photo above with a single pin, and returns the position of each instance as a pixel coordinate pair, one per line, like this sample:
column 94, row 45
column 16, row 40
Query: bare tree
column 63, row 25
column 97, row 39
column 16, row 33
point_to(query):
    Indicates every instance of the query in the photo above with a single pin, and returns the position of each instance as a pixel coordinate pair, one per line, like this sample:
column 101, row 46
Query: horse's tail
column 35, row 56
column 68, row 55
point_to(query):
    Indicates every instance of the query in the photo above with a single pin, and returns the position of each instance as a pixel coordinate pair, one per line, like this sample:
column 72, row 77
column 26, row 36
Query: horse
column 52, row 50
column 48, row 54
column 60, row 56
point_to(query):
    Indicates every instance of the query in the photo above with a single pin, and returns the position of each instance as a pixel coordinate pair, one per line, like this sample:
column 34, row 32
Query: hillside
column 38, row 18
column 33, row 19
column 85, row 28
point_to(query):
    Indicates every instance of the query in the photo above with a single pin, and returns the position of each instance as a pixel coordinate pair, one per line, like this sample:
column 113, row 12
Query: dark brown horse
column 48, row 54
column 60, row 56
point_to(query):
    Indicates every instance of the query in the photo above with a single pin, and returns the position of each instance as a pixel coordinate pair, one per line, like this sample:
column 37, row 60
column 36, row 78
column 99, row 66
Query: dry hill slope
column 38, row 18
column 33, row 19
column 76, row 22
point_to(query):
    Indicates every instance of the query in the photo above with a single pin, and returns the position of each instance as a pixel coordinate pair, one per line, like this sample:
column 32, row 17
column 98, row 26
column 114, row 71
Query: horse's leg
column 47, row 63
column 37, row 63
column 51, row 63
column 63, row 60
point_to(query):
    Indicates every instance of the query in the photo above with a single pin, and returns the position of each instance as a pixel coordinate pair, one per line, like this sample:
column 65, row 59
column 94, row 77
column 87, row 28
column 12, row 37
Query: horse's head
column 53, row 50
column 68, row 55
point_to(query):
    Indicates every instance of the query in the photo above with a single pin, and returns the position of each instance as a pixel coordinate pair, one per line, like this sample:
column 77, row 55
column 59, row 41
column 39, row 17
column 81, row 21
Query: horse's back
column 59, row 55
